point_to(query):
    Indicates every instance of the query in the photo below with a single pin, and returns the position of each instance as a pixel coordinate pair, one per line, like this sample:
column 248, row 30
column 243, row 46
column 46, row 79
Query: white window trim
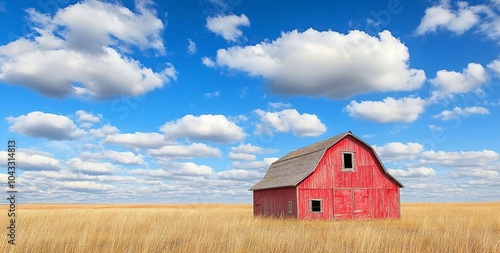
column 353, row 162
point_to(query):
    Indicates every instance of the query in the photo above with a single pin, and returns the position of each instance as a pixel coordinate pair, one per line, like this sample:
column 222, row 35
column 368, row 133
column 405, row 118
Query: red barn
column 338, row 178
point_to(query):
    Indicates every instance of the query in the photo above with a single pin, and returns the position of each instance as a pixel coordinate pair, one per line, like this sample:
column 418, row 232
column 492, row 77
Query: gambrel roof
column 291, row 169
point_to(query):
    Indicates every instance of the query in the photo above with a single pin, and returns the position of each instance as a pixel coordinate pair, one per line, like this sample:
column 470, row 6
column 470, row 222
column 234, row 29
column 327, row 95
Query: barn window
column 315, row 206
column 290, row 207
column 348, row 161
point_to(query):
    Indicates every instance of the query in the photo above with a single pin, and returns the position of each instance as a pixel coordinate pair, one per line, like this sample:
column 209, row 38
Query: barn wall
column 274, row 202
column 325, row 195
column 363, row 194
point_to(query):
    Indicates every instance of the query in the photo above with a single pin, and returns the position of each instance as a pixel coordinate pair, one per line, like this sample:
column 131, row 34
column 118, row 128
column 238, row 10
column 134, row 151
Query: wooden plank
column 362, row 205
column 342, row 204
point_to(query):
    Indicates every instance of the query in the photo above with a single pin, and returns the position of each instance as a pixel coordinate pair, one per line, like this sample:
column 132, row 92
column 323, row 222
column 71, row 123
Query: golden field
column 453, row 227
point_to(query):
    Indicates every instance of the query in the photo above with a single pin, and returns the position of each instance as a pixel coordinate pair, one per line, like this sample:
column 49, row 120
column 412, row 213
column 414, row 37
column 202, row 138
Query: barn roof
column 295, row 166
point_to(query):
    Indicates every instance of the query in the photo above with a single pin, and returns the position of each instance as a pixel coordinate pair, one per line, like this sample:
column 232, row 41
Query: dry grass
column 472, row 227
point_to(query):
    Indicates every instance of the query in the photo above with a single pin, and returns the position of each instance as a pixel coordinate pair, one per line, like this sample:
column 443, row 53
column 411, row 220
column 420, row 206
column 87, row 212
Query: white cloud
column 327, row 63
column 127, row 157
column 87, row 119
column 459, row 112
column 458, row 20
column 137, row 140
column 208, row 62
column 214, row 94
column 406, row 109
column 192, row 169
column 191, row 47
column 289, row 120
column 398, row 150
column 279, row 105
column 216, row 128
column 262, row 165
column 490, row 25
column 413, row 172
column 45, row 125
column 443, row 17
column 74, row 55
column 91, row 168
column 247, row 152
column 84, row 186
column 495, row 66
column 450, row 82
column 251, row 149
column 176, row 169
column 228, row 26
column 32, row 160
column 475, row 173
column 242, row 156
column 185, row 151
column 459, row 159
column 104, row 131
column 240, row 175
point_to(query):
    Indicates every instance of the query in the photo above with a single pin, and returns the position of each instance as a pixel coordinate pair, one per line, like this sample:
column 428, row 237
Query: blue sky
column 191, row 101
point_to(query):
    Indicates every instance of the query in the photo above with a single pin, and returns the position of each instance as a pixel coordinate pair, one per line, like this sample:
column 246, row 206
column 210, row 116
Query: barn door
column 342, row 204
column 362, row 207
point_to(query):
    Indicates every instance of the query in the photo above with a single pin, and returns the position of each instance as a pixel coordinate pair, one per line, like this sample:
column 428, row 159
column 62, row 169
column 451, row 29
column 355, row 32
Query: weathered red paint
column 274, row 202
column 365, row 193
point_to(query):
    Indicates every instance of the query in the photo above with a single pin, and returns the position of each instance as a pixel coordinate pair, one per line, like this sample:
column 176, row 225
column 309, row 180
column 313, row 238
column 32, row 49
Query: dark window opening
column 315, row 205
column 347, row 161
column 290, row 207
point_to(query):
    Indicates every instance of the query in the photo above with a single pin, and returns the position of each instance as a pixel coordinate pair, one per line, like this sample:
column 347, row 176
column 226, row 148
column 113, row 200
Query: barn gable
column 295, row 166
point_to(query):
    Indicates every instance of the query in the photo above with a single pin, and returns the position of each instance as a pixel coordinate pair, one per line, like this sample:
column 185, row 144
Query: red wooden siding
column 274, row 202
column 365, row 193
column 368, row 192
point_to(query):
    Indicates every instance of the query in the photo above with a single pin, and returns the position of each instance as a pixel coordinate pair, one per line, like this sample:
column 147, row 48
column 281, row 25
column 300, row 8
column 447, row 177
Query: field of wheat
column 458, row 227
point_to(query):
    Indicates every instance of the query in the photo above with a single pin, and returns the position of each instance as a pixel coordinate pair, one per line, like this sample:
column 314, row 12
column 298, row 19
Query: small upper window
column 348, row 161
column 316, row 206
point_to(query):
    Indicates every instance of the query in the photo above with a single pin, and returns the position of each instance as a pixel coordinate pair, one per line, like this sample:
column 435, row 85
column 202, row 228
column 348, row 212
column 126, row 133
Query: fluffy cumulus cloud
column 134, row 140
column 442, row 16
column 460, row 17
column 289, row 120
column 450, row 82
column 326, row 63
column 229, row 26
column 461, row 112
column 71, row 54
column 459, row 159
column 103, row 131
column 398, row 150
column 413, row 172
column 208, row 127
column 406, row 109
column 87, row 119
column 90, row 167
column 185, row 151
column 45, row 125
column 28, row 160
